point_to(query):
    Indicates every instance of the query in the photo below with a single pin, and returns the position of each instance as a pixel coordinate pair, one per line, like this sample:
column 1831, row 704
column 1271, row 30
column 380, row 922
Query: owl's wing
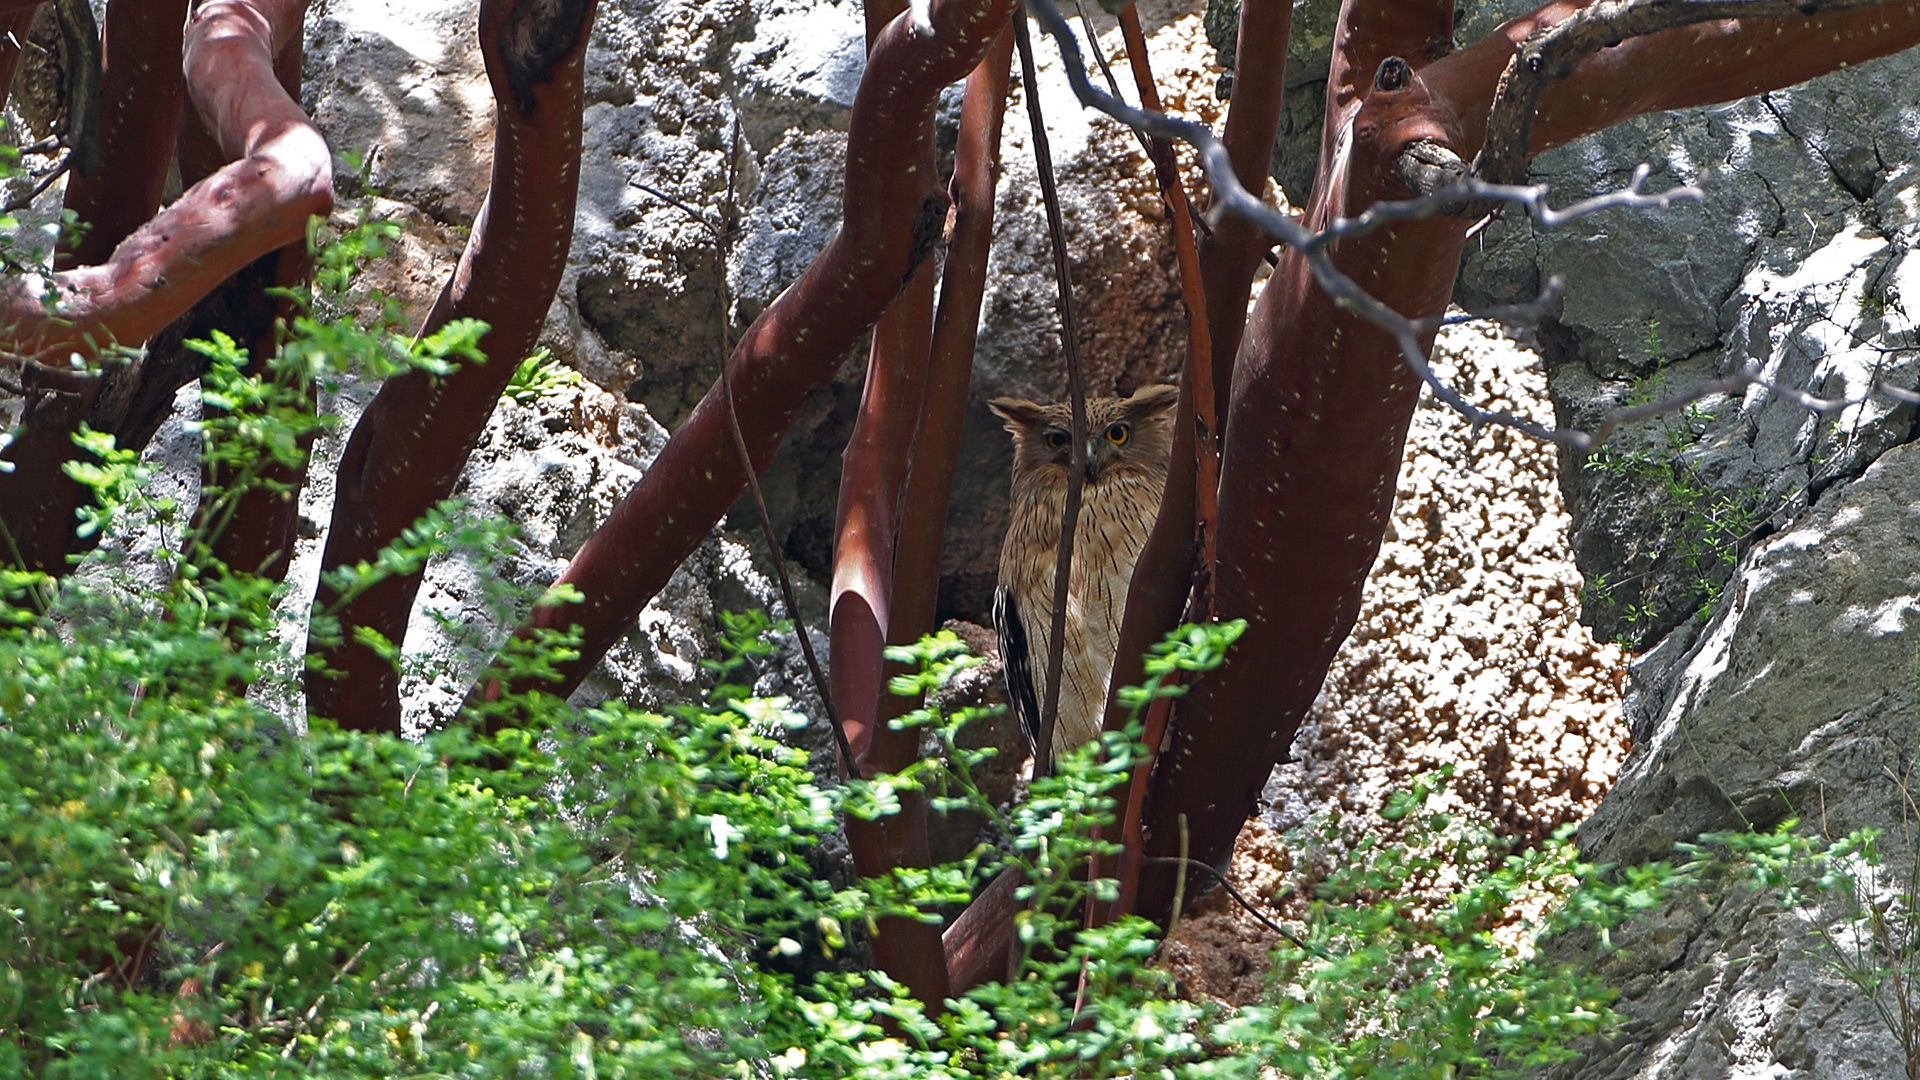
column 1017, row 664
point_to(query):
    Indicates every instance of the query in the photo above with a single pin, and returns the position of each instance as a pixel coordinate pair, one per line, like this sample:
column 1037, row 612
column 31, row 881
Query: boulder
column 1760, row 553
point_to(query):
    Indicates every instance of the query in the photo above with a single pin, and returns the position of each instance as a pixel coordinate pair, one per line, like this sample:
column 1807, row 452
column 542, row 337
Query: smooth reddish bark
column 140, row 95
column 1230, row 254
column 1320, row 407
column 281, row 175
column 409, row 446
column 893, row 214
column 1321, row 400
column 978, row 942
column 1698, row 65
column 936, row 440
column 872, row 473
column 909, row 950
column 1182, row 537
column 871, row 476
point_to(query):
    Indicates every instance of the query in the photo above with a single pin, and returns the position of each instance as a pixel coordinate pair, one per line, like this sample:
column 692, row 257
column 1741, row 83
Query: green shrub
column 192, row 888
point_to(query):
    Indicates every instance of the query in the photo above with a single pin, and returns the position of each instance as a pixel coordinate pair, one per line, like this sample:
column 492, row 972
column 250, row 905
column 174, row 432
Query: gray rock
column 1799, row 699
column 1791, row 698
column 1762, row 554
column 1791, row 264
column 400, row 85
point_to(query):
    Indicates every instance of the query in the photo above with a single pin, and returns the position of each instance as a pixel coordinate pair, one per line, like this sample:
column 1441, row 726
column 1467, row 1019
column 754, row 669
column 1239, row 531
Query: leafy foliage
column 193, row 886
column 1709, row 529
column 1423, row 958
column 538, row 375
column 1858, row 909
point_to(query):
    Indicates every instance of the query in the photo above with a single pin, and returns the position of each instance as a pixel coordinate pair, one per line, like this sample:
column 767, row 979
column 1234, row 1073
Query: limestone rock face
column 1799, row 699
column 399, row 86
column 1794, row 261
column 1761, row 553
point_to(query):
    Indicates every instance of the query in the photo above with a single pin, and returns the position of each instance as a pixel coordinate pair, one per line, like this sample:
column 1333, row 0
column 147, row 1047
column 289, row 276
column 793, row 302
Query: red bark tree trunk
column 409, row 446
column 893, row 214
column 1321, row 399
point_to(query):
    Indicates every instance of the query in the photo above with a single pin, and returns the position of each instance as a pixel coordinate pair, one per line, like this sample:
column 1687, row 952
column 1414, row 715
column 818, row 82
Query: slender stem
column 1076, row 392
column 725, row 298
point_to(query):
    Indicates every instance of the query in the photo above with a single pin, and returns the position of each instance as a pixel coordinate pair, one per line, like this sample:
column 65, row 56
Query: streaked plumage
column 1128, row 444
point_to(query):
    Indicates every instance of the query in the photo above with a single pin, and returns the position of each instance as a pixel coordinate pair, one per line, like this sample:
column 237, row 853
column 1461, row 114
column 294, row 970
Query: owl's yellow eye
column 1057, row 438
column 1117, row 434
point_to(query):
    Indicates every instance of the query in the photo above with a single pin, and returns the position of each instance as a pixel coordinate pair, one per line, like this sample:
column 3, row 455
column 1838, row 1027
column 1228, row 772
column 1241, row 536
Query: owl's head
column 1124, row 435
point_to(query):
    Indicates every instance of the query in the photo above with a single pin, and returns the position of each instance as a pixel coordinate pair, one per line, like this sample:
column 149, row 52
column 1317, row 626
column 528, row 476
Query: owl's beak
column 1093, row 462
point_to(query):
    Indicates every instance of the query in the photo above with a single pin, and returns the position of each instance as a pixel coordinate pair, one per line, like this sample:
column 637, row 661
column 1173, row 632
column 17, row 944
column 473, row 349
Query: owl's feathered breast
column 1126, row 467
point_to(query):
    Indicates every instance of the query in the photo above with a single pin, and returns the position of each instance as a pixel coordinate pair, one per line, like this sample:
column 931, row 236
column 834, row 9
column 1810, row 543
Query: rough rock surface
column 400, row 90
column 1799, row 699
column 1790, row 690
column 1793, row 262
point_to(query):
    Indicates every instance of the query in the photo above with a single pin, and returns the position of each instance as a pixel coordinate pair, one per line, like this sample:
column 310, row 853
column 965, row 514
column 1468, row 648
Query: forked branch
column 1555, row 53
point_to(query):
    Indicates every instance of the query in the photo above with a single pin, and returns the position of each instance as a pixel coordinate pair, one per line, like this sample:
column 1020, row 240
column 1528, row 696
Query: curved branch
column 280, row 177
column 409, row 446
column 1585, row 68
column 1230, row 253
column 893, row 214
column 872, row 472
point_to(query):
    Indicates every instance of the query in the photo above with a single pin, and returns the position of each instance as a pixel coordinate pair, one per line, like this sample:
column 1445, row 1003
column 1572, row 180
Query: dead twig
column 1621, row 18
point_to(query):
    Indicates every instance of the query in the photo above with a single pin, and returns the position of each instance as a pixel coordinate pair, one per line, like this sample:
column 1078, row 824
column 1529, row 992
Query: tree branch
column 1076, row 397
column 410, row 444
column 281, row 176
column 140, row 98
column 892, row 218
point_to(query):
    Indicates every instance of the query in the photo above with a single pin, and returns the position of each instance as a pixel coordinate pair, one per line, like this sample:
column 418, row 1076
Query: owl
column 1128, row 443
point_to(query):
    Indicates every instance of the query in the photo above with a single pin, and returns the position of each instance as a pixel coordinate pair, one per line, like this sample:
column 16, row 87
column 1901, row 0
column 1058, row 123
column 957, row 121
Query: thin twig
column 1076, row 392
column 1179, row 880
column 1106, row 69
column 1232, row 197
column 724, row 297
column 1244, row 903
column 45, row 182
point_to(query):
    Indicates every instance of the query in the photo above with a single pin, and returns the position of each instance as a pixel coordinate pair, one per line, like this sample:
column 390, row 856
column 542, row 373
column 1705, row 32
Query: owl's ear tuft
column 1018, row 414
column 1151, row 401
